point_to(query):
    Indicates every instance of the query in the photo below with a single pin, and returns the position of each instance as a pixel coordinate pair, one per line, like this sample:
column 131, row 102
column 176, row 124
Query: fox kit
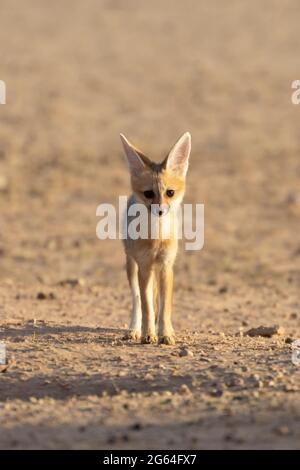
column 149, row 261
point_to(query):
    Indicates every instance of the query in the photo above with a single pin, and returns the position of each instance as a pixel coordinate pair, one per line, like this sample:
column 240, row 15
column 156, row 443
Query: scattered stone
column 136, row 427
column 255, row 381
column 266, row 331
column 41, row 296
column 229, row 437
column 162, row 366
column 288, row 340
column 149, row 376
column 119, row 359
column 201, row 352
column 291, row 198
column 233, row 380
column 44, row 296
column 216, row 392
column 290, row 388
column 33, row 400
column 185, row 352
column 72, row 282
column 3, row 368
column 283, row 430
column 223, row 290
column 184, row 389
column 205, row 359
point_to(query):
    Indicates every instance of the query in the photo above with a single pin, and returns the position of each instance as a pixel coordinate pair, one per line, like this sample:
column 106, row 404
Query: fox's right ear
column 135, row 159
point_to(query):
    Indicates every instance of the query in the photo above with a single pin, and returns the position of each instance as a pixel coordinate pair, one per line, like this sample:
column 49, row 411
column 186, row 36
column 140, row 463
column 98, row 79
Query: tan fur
column 150, row 261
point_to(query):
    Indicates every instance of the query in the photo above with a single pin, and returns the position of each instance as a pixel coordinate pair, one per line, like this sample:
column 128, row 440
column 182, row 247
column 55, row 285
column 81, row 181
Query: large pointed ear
column 136, row 160
column 178, row 159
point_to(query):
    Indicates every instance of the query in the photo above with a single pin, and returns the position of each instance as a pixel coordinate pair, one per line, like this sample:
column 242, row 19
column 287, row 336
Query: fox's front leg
column 165, row 329
column 146, row 277
column 136, row 314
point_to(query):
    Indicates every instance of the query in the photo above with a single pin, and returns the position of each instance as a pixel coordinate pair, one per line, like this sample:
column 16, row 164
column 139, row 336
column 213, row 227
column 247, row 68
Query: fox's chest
column 154, row 251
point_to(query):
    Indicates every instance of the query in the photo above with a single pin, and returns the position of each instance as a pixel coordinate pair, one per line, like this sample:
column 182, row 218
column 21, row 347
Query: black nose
column 160, row 213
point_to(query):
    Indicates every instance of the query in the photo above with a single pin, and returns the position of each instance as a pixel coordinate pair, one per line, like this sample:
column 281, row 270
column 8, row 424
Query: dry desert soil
column 78, row 73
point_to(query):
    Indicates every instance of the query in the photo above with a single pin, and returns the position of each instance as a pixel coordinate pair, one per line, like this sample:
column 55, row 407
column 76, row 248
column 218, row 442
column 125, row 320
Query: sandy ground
column 78, row 73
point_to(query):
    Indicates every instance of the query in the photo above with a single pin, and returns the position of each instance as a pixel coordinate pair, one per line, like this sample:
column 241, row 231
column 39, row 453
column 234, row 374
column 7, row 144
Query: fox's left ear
column 178, row 159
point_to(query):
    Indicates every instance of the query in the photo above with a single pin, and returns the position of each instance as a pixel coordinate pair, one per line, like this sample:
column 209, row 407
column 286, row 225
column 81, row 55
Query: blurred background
column 77, row 74
column 80, row 72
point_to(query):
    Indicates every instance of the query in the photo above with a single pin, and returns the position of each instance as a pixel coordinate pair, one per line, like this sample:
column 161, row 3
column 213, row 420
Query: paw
column 132, row 335
column 149, row 339
column 167, row 339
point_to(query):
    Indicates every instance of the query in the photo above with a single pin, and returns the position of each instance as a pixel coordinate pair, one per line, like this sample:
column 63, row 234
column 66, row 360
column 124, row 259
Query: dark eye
column 149, row 194
column 170, row 192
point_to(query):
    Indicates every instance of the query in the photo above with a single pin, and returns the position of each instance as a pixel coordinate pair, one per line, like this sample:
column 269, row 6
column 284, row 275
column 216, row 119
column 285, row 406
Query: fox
column 160, row 188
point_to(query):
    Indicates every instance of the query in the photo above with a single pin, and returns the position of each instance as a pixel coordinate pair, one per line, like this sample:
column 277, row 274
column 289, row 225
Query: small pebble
column 184, row 352
column 184, row 389
column 265, row 331
column 283, row 430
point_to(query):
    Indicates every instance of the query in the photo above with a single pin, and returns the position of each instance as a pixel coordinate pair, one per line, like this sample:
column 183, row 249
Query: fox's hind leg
column 135, row 326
